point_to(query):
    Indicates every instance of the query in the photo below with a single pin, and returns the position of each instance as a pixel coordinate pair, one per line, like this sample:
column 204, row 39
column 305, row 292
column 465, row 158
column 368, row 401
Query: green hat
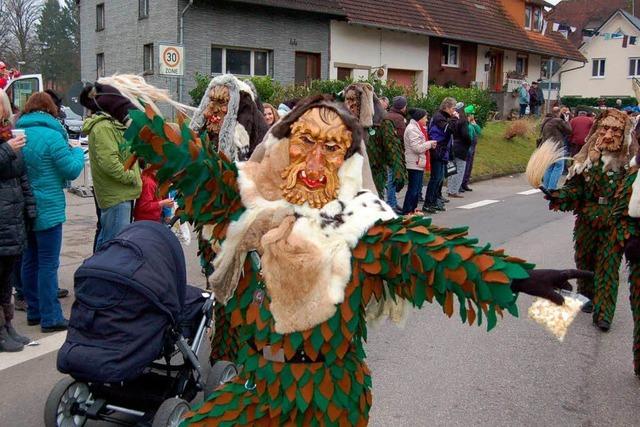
column 470, row 109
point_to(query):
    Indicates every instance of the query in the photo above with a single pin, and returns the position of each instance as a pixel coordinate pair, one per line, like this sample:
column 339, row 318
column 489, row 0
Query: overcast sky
column 554, row 1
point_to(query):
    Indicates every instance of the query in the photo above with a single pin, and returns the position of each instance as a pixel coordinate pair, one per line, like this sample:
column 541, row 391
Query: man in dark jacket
column 557, row 129
column 461, row 144
column 441, row 129
column 17, row 208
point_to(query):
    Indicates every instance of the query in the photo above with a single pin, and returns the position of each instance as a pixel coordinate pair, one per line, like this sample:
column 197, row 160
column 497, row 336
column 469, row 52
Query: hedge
column 576, row 101
column 274, row 93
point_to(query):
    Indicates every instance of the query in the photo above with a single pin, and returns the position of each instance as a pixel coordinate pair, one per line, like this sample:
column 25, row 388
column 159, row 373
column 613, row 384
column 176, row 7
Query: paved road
column 435, row 371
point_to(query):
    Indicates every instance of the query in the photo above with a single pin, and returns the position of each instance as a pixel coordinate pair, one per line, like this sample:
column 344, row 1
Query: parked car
column 72, row 122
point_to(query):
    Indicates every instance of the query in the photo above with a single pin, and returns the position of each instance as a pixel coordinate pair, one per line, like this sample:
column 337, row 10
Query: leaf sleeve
column 423, row 263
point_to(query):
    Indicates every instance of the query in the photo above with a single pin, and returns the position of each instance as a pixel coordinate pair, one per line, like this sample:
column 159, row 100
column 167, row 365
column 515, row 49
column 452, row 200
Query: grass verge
column 496, row 156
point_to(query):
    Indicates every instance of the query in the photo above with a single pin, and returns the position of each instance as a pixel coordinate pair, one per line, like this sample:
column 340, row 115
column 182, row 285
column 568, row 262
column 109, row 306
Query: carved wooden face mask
column 610, row 134
column 352, row 100
column 318, row 143
column 217, row 108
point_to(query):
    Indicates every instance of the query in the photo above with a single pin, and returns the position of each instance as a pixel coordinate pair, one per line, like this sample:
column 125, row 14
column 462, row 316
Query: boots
column 15, row 335
column 7, row 343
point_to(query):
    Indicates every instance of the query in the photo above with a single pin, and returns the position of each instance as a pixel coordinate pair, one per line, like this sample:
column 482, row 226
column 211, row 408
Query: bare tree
column 4, row 30
column 20, row 20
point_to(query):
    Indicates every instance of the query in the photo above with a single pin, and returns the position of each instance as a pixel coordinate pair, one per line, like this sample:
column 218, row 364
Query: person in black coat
column 17, row 210
column 461, row 145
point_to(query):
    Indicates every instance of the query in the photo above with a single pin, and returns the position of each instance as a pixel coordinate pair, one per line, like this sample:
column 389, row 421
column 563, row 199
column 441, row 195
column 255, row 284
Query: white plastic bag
column 183, row 232
column 557, row 318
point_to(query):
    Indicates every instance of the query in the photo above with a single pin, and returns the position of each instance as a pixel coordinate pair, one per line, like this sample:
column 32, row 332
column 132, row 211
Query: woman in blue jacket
column 50, row 163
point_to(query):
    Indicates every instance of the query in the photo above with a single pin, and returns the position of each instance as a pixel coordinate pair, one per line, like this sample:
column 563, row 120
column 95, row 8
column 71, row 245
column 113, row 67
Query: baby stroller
column 134, row 334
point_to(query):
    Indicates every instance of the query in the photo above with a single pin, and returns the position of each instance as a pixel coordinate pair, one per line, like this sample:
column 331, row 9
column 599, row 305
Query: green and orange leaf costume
column 322, row 378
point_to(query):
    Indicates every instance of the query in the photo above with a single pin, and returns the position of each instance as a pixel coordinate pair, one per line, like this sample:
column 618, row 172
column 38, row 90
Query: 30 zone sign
column 171, row 60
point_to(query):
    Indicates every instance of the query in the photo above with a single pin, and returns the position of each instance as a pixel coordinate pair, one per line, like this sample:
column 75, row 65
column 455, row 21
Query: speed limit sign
column 171, row 60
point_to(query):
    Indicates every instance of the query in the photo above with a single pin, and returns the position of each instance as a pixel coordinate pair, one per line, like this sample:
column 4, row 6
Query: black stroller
column 134, row 334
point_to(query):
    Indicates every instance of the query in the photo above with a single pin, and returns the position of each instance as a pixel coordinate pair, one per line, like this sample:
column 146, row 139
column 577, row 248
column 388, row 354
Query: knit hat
column 417, row 113
column 470, row 110
column 399, row 102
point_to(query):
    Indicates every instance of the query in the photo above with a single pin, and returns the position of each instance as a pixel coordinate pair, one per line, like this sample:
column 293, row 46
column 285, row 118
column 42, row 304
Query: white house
column 613, row 53
column 357, row 51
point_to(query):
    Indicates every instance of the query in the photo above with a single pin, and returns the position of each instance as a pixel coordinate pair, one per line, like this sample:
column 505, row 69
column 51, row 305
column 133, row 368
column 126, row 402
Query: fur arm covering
column 205, row 181
column 420, row 262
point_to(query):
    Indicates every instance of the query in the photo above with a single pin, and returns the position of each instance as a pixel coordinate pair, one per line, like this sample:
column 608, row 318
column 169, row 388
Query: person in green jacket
column 115, row 188
column 50, row 163
column 474, row 133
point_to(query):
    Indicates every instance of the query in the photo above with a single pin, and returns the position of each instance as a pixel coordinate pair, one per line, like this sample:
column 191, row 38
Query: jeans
column 552, row 175
column 523, row 110
column 469, row 167
column 434, row 187
column 414, row 187
column 40, row 276
column 535, row 110
column 113, row 220
column 391, row 190
column 455, row 181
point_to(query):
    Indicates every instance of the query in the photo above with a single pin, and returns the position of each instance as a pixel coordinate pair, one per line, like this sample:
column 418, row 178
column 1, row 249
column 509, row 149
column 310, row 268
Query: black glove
column 548, row 195
column 543, row 283
column 632, row 250
column 99, row 97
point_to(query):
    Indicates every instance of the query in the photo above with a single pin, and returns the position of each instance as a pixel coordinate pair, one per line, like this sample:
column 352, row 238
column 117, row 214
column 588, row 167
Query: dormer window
column 533, row 19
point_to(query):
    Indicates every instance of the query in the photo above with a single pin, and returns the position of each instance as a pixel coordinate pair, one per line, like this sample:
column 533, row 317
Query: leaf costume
column 599, row 191
column 294, row 317
column 386, row 153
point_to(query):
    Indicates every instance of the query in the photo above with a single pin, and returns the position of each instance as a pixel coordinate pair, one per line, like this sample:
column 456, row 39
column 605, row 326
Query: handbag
column 452, row 169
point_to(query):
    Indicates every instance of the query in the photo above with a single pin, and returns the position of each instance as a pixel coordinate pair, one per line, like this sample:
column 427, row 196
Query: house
column 613, row 54
column 585, row 16
column 461, row 43
column 288, row 40
column 479, row 43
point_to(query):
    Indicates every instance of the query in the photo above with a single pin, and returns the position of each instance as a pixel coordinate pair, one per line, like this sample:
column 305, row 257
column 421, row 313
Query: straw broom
column 546, row 155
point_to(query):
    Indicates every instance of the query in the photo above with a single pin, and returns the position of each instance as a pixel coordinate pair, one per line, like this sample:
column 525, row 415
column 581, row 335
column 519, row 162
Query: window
column 634, row 67
column 533, row 18
column 100, row 17
column 344, row 73
column 143, row 9
column 99, row 65
column 450, row 55
column 546, row 72
column 598, row 68
column 522, row 64
column 147, row 58
column 245, row 62
column 307, row 67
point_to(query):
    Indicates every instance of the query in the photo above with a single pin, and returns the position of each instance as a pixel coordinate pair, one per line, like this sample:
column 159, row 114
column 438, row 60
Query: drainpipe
column 584, row 64
column 181, row 42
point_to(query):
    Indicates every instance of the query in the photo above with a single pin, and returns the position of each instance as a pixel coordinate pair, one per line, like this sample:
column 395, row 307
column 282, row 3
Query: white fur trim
column 350, row 175
column 633, row 162
column 241, row 140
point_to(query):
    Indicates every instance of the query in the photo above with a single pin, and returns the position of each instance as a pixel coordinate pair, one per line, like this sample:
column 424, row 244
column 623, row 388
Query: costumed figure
column 229, row 113
column 384, row 150
column 303, row 251
column 625, row 222
column 599, row 170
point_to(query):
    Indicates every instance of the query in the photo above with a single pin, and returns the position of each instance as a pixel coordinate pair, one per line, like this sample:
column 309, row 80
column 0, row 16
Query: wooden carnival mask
column 353, row 102
column 217, row 108
column 610, row 133
column 318, row 144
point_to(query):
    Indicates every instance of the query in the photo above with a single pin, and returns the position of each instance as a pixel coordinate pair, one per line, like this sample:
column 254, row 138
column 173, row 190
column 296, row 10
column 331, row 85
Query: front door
column 495, row 70
column 307, row 67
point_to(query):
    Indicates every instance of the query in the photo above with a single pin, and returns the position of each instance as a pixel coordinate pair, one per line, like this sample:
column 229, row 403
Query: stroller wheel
column 60, row 410
column 220, row 373
column 170, row 413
